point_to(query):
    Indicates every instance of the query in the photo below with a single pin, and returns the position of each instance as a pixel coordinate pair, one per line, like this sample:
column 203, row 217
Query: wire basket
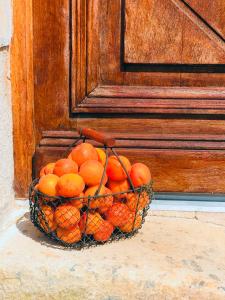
column 92, row 220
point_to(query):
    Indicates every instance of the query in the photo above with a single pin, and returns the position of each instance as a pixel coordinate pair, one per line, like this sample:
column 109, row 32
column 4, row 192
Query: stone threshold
column 176, row 255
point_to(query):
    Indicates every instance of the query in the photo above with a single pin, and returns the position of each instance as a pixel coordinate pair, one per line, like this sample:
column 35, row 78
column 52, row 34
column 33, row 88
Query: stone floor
column 176, row 255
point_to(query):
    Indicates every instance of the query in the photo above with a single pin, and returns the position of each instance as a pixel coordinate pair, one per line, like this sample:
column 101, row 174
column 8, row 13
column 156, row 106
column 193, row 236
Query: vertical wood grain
column 51, row 28
column 93, row 45
column 22, row 95
column 78, row 47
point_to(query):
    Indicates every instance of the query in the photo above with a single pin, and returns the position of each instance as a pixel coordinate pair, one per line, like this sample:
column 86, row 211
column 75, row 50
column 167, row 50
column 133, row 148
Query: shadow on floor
column 26, row 227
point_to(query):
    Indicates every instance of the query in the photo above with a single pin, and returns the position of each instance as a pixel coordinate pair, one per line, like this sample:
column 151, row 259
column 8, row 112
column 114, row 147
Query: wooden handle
column 97, row 136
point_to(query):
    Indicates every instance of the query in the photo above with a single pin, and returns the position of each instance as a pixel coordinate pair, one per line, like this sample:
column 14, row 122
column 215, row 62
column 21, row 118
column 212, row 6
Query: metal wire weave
column 42, row 208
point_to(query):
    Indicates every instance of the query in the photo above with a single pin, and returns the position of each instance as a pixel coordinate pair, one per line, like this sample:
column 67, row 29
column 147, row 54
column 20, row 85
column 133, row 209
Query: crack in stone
column 190, row 218
column 175, row 217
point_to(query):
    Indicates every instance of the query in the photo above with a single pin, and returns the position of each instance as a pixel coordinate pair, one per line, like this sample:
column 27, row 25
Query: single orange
column 101, row 156
column 36, row 186
column 136, row 201
column 65, row 166
column 70, row 156
column 91, row 221
column 106, row 201
column 140, row 174
column 67, row 216
column 78, row 203
column 104, row 232
column 69, row 236
column 118, row 214
column 132, row 223
column 48, row 169
column 91, row 171
column 118, row 187
column 115, row 170
column 46, row 218
column 47, row 184
column 70, row 185
column 84, row 152
column 94, row 202
column 103, row 202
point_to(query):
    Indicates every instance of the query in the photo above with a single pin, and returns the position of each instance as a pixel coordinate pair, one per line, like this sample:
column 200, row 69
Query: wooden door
column 151, row 72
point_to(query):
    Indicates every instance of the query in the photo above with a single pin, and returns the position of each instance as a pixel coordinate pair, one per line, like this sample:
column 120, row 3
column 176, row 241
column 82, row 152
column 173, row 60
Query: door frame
column 21, row 51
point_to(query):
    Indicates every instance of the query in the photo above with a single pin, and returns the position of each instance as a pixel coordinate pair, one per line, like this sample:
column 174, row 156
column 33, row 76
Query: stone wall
column 6, row 143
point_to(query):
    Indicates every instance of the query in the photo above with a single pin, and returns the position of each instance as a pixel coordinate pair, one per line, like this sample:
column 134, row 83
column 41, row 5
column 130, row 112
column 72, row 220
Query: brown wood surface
column 78, row 48
column 154, row 125
column 187, row 168
column 167, row 31
column 154, row 144
column 152, row 106
column 109, row 15
column 105, row 59
column 145, row 99
column 213, row 12
column 149, row 92
column 51, row 65
column 22, row 95
column 68, row 136
column 93, row 46
column 186, row 123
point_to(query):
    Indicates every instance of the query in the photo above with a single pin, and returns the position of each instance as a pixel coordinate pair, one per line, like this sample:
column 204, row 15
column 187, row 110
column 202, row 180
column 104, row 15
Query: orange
column 99, row 202
column 107, row 201
column 140, row 174
column 118, row 214
column 115, row 170
column 65, row 166
column 78, row 203
column 118, row 187
column 128, row 227
column 70, row 156
column 94, row 203
column 47, row 184
column 46, row 218
column 84, row 152
column 70, row 185
column 134, row 201
column 93, row 221
column 69, row 236
column 67, row 216
column 91, row 171
column 104, row 232
column 48, row 169
column 101, row 156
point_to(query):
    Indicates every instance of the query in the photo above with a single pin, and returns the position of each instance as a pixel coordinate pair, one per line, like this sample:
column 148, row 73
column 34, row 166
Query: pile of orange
column 94, row 210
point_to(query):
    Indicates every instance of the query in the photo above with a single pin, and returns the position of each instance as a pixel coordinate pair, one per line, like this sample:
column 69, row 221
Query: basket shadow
column 26, row 227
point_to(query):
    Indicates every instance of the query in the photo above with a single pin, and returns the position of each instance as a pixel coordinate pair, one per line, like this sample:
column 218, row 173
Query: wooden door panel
column 161, row 40
column 148, row 37
column 213, row 12
column 169, row 32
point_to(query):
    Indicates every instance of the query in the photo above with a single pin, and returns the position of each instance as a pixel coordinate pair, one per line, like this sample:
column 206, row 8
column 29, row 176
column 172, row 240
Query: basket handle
column 97, row 136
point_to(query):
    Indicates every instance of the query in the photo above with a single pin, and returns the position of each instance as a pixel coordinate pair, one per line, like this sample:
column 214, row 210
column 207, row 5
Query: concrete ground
column 177, row 255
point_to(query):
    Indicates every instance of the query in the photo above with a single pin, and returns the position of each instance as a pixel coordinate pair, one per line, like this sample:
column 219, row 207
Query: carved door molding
column 165, row 56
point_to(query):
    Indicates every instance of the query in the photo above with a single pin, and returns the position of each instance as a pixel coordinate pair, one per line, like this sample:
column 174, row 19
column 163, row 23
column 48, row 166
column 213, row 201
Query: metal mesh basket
column 81, row 222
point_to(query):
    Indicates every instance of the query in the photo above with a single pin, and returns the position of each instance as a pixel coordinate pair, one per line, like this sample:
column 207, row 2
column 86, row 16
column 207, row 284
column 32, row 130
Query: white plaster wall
column 5, row 22
column 6, row 142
